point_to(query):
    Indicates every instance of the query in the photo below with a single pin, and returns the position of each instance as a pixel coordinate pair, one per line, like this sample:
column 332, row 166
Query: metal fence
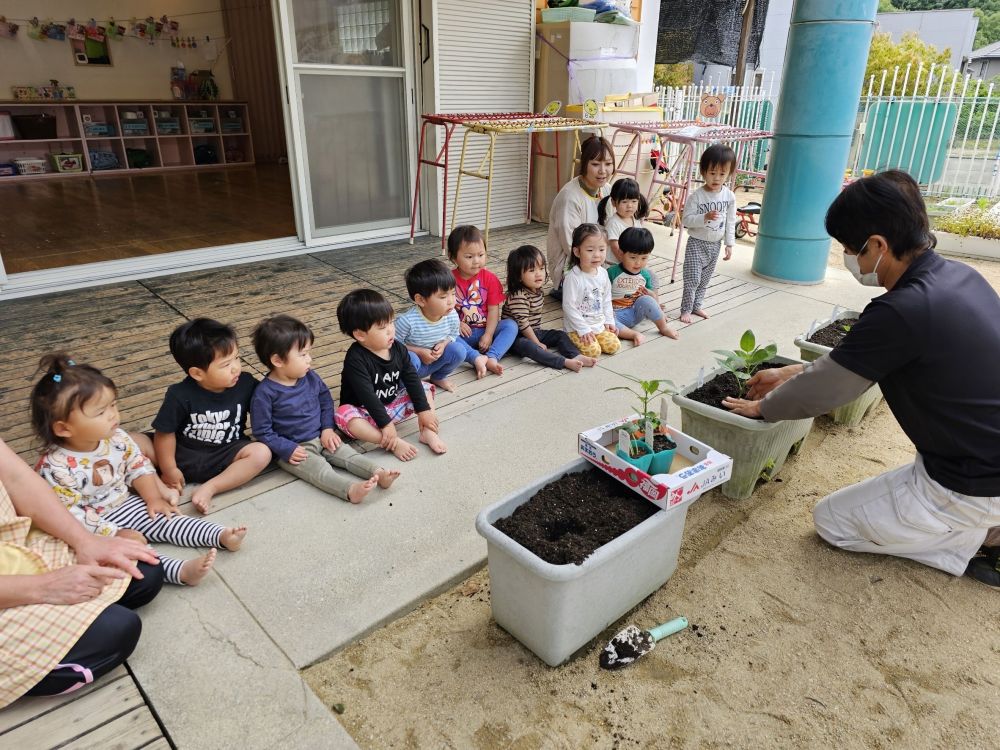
column 936, row 123
column 750, row 106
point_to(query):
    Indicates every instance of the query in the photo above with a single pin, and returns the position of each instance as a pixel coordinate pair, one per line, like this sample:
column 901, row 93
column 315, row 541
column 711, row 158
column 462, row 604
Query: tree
column 911, row 50
column 886, row 6
column 677, row 74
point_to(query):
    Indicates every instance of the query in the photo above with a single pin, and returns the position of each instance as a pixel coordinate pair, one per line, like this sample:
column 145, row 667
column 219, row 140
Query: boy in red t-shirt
column 479, row 295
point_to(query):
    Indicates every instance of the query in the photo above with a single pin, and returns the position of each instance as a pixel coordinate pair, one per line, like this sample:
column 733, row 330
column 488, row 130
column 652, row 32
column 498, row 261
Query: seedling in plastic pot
column 644, row 392
column 744, row 362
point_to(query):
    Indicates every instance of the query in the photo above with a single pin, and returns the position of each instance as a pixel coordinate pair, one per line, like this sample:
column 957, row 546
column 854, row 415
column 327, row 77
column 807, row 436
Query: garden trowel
column 631, row 643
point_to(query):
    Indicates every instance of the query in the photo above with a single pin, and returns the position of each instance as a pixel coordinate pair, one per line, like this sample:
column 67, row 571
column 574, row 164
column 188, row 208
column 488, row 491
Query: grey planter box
column 554, row 610
column 852, row 413
column 752, row 443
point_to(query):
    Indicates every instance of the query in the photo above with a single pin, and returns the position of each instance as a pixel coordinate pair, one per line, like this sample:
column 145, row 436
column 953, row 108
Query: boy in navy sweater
column 292, row 414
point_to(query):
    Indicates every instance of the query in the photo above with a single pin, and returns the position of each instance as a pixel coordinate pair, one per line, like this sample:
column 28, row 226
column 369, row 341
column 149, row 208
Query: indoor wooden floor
column 54, row 223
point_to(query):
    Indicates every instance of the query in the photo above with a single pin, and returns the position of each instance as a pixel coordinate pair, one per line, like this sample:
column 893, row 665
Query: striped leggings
column 183, row 531
column 700, row 257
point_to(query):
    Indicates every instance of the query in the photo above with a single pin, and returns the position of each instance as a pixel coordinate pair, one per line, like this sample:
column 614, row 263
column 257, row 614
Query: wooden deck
column 109, row 714
column 123, row 329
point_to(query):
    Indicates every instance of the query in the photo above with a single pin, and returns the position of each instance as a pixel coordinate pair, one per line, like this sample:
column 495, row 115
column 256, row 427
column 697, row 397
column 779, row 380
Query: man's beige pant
column 905, row 513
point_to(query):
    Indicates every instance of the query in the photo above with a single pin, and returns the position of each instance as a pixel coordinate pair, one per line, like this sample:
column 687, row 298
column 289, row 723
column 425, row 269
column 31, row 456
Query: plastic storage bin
column 556, row 609
column 67, row 162
column 31, row 165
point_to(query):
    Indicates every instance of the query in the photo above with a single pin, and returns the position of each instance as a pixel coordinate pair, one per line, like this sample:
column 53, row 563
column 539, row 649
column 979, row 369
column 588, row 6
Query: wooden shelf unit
column 176, row 136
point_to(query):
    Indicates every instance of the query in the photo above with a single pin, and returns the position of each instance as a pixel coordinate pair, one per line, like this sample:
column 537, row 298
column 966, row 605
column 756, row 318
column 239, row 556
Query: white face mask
column 852, row 265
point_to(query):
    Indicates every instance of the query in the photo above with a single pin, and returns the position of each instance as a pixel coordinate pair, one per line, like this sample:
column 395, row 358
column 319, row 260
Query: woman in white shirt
column 576, row 204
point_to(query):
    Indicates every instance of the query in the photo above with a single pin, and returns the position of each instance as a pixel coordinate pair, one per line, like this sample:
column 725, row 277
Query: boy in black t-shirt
column 379, row 385
column 200, row 426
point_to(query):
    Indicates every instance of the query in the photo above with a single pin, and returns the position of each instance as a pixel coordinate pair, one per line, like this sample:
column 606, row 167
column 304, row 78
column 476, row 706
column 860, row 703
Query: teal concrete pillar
column 825, row 61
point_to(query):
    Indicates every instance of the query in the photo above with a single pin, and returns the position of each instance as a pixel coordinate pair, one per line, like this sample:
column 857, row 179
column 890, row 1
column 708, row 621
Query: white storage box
column 554, row 610
column 584, row 41
column 697, row 467
column 31, row 165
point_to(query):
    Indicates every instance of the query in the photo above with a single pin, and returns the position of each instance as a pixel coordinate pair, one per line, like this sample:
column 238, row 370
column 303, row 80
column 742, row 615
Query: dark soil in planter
column 663, row 443
column 725, row 384
column 832, row 334
column 570, row 518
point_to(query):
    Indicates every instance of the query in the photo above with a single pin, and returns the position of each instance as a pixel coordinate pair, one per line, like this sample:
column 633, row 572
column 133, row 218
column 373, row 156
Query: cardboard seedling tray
column 696, row 466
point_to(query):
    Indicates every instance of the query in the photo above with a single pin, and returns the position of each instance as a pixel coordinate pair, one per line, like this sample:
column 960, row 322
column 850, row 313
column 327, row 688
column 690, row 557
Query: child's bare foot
column 493, row 366
column 386, row 477
column 685, row 318
column 701, row 314
column 192, row 571
column 638, row 339
column 573, row 364
column 201, row 498
column 585, row 360
column 359, row 490
column 433, row 441
column 665, row 330
column 480, row 366
column 404, row 451
column 232, row 538
column 444, row 385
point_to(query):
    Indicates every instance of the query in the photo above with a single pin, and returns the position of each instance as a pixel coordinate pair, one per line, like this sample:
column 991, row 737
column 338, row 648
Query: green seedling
column 845, row 328
column 744, row 362
column 647, row 391
column 767, row 473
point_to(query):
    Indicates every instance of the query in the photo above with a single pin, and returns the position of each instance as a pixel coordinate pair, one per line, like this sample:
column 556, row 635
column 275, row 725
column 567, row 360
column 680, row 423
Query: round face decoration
column 711, row 105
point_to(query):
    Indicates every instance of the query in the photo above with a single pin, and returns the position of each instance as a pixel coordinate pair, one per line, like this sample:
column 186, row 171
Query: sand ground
column 797, row 644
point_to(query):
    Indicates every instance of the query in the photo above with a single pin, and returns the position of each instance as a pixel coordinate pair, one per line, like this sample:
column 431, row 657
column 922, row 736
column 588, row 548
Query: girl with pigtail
column 101, row 474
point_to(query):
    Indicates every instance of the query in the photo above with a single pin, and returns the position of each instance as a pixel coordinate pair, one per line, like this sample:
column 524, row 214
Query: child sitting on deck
column 292, row 414
column 379, row 385
column 199, row 430
column 479, row 296
column 629, row 209
column 92, row 463
column 587, row 315
column 430, row 329
column 633, row 286
column 525, row 276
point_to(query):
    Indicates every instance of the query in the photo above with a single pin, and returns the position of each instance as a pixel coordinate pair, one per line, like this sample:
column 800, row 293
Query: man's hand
column 464, row 329
column 172, row 477
column 427, row 420
column 485, row 342
column 74, row 583
column 298, row 456
column 389, row 437
column 742, row 406
column 728, row 253
column 766, row 381
column 711, row 216
column 330, row 440
column 114, row 552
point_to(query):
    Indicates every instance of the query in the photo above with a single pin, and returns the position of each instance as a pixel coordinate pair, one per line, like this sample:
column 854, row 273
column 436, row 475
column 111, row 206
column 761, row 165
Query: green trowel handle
column 668, row 628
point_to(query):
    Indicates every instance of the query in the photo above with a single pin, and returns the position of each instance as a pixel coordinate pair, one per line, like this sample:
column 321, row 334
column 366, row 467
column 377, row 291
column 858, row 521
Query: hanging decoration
column 35, row 30
column 149, row 29
column 7, row 30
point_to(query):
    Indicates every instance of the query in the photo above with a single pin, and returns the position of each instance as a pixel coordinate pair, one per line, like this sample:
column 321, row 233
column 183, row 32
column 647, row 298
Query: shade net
column 707, row 31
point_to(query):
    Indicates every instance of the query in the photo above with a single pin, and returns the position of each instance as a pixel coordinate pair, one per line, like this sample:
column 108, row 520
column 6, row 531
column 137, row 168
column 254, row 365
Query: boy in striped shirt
column 430, row 329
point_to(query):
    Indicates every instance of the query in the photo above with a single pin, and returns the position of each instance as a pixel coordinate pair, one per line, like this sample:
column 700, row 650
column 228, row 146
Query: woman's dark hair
column 198, row 342
column 361, row 309
column 580, row 234
column 519, row 261
column 277, row 335
column 427, row 277
column 63, row 387
column 464, row 234
column 594, row 148
column 636, row 240
column 625, row 189
column 717, row 155
column 888, row 204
